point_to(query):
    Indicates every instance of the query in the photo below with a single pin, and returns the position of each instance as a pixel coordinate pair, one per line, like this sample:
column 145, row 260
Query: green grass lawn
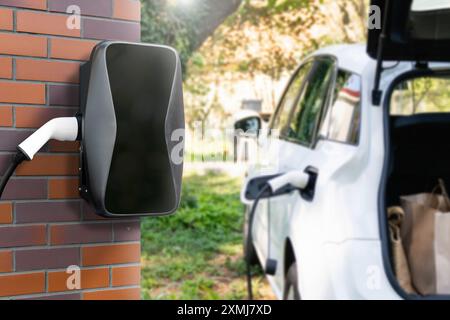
column 197, row 253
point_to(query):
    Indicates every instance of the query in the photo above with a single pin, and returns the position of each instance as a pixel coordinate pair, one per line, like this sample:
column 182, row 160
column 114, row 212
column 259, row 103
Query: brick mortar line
column 46, row 176
column 13, row 252
column 62, row 36
column 56, row 177
column 14, row 68
column 44, row 82
column 29, row 200
column 87, row 268
column 111, row 19
column 53, row 270
column 27, row 178
column 80, row 223
column 45, row 201
column 3, row 6
column 113, row 4
column 49, row 48
column 46, row 107
column 47, row 95
column 77, row 245
column 13, row 203
column 67, row 60
column 41, row 106
column 101, row 244
column 41, row 82
column 83, row 16
column 71, row 222
column 107, row 265
column 48, row 234
column 21, row 273
column 49, row 153
column 110, row 277
column 55, row 37
column 68, row 292
column 46, row 281
column 113, row 237
column 14, row 116
column 74, row 246
column 82, row 267
column 14, row 20
column 82, row 23
column 109, row 288
column 48, row 196
column 59, row 269
column 19, row 105
column 38, row 177
column 25, row 81
column 39, row 295
column 59, row 293
column 16, row 129
column 50, row 36
column 51, row 224
column 44, row 59
column 67, row 154
column 80, row 254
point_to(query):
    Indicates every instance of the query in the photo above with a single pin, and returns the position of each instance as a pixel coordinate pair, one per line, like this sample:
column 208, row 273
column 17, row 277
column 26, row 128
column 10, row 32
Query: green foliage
column 422, row 95
column 208, row 202
column 196, row 253
column 270, row 7
column 170, row 25
column 263, row 37
column 178, row 26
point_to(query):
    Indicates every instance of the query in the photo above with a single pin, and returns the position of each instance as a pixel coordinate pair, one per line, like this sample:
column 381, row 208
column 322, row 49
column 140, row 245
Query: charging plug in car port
column 272, row 186
column 280, row 184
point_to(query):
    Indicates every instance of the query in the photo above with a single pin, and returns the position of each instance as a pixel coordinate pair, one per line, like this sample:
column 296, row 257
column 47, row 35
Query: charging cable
column 297, row 180
column 17, row 159
column 250, row 238
column 61, row 129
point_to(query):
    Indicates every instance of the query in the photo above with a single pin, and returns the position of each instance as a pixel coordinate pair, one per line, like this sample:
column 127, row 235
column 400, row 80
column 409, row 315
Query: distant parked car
column 248, row 124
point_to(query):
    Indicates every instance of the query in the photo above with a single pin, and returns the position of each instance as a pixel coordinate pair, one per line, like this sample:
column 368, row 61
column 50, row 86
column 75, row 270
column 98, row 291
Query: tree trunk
column 216, row 13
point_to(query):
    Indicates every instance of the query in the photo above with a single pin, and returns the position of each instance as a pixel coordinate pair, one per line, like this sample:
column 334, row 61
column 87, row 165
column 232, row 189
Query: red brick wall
column 44, row 226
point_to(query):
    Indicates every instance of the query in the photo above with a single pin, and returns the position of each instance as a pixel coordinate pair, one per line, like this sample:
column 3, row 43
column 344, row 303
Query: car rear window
column 421, row 95
column 429, row 5
column 429, row 20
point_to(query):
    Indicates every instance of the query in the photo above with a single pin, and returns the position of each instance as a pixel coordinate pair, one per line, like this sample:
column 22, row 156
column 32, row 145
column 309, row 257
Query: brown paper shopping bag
column 396, row 216
column 442, row 252
column 421, row 238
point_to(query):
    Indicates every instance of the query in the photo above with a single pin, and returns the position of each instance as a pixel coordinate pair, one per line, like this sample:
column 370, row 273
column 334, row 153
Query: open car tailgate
column 414, row 30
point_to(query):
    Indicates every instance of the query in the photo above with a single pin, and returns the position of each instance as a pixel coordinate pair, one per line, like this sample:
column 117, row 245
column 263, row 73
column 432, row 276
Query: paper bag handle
column 441, row 186
column 395, row 218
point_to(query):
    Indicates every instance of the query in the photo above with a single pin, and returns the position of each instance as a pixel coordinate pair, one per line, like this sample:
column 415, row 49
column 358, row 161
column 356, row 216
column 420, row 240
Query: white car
column 358, row 127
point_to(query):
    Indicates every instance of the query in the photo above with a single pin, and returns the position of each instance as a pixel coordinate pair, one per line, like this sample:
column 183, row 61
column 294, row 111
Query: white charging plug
column 62, row 129
column 297, row 179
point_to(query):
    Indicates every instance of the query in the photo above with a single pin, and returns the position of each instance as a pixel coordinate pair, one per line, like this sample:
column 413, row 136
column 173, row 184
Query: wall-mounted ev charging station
column 131, row 128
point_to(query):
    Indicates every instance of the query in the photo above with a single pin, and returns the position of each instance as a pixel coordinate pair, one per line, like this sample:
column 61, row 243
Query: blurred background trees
column 183, row 24
column 234, row 50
